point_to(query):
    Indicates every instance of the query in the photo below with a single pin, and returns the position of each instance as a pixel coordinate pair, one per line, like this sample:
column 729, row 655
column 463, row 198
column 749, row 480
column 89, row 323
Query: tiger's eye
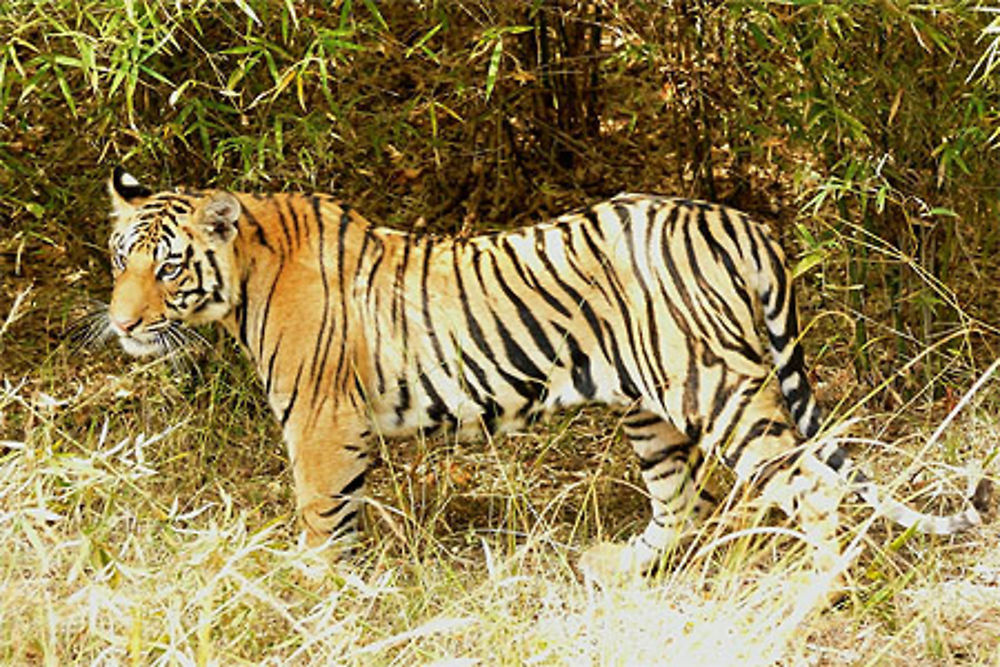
column 168, row 270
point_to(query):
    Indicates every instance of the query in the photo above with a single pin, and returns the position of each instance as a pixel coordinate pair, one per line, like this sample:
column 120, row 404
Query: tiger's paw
column 812, row 589
column 332, row 548
column 609, row 564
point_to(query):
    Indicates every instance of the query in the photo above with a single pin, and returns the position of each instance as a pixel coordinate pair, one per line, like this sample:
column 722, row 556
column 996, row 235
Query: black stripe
column 625, row 381
column 399, row 295
column 766, row 427
column 837, row 459
column 323, row 337
column 529, row 393
column 425, row 305
column 344, row 320
column 689, row 397
column 722, row 395
column 583, row 380
column 269, row 376
column 661, row 455
column 258, row 230
column 437, row 411
column 614, row 283
column 516, row 354
column 727, row 259
column 528, row 277
column 377, row 349
column 354, row 485
column 656, row 367
column 332, row 509
column 348, row 519
column 735, row 340
column 777, row 272
column 575, row 297
column 628, row 385
column 282, row 222
column 293, row 398
column 404, row 400
column 290, row 203
column 590, row 215
column 529, row 321
column 721, row 254
column 492, row 411
column 266, row 314
column 642, row 422
column 241, row 312
column 372, row 273
column 790, row 325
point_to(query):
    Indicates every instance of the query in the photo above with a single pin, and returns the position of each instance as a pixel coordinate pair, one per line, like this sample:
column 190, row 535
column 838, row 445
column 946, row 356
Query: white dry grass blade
column 960, row 405
column 431, row 628
column 16, row 311
column 750, row 622
column 988, row 60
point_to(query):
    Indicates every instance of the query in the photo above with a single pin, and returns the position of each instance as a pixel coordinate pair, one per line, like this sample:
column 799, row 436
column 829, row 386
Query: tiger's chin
column 141, row 348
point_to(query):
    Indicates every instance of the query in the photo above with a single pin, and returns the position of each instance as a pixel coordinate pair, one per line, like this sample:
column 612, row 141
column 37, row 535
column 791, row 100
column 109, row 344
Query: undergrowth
column 147, row 518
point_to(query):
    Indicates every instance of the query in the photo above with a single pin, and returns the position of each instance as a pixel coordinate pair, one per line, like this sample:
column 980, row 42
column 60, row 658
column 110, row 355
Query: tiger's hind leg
column 670, row 463
column 810, row 493
column 769, row 458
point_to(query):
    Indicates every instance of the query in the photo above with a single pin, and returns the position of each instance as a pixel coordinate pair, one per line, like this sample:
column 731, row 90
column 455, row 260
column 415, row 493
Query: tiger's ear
column 220, row 214
column 126, row 191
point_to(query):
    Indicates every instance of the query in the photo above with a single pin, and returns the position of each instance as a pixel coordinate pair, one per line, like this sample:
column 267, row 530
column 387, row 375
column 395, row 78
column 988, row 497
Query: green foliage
column 878, row 118
column 241, row 88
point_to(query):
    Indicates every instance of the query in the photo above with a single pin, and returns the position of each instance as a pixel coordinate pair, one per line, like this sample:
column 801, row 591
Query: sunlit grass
column 120, row 546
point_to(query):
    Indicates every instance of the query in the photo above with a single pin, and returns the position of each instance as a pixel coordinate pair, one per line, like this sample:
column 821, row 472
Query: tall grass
column 148, row 521
column 114, row 553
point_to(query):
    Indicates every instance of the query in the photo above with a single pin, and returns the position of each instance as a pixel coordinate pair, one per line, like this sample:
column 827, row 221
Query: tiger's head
column 173, row 263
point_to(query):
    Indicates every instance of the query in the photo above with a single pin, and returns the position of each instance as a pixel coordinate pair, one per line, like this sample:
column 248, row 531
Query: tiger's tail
column 833, row 457
column 910, row 518
column 777, row 296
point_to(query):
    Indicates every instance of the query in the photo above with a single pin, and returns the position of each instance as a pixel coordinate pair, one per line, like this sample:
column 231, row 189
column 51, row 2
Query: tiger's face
column 173, row 263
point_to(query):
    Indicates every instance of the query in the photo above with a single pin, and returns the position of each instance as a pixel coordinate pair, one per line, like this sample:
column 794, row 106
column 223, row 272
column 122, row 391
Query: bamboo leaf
column 248, row 10
column 423, row 40
column 494, row 68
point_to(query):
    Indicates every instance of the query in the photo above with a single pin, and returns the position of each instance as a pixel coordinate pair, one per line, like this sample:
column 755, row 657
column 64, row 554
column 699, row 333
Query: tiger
column 648, row 304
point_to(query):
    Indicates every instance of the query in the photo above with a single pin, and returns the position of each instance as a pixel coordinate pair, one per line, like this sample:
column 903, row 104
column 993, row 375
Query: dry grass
column 145, row 519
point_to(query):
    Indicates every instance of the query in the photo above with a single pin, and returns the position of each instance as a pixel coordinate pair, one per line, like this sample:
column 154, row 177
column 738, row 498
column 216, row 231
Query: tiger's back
column 497, row 329
column 645, row 303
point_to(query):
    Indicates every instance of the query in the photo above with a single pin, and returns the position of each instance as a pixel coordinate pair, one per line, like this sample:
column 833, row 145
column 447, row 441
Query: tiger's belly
column 423, row 404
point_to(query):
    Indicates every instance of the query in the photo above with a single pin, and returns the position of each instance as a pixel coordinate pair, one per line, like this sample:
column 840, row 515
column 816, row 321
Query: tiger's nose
column 125, row 324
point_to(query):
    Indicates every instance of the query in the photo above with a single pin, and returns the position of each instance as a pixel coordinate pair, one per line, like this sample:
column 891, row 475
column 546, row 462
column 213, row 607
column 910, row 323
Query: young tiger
column 642, row 302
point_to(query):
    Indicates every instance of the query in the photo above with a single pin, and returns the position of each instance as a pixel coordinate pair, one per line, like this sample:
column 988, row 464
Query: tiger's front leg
column 329, row 457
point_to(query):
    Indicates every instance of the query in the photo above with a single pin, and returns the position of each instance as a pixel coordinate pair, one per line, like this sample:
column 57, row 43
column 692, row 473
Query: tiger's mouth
column 142, row 344
column 163, row 338
column 167, row 339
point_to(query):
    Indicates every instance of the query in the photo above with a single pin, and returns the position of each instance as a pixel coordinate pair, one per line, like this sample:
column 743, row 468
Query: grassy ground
column 146, row 518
